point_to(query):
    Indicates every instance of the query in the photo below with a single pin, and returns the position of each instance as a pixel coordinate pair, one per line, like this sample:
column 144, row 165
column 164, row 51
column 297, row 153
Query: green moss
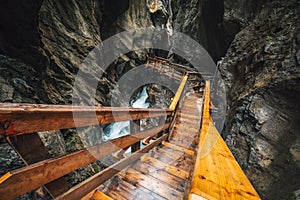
column 269, row 38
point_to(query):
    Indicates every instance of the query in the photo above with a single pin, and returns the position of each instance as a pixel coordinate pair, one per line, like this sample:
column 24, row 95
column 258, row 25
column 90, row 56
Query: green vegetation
column 269, row 38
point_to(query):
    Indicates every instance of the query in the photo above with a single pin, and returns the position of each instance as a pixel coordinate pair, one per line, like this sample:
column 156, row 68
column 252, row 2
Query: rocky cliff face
column 43, row 42
column 261, row 70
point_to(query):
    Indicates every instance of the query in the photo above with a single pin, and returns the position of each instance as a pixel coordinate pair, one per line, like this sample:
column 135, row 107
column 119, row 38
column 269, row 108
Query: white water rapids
column 119, row 129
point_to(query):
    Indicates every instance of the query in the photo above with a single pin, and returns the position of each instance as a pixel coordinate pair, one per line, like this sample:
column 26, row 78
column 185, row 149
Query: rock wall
column 262, row 74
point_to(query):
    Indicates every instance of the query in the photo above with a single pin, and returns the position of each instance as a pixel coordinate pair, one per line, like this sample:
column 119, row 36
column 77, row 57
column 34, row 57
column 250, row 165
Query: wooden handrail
column 16, row 119
column 217, row 175
column 178, row 94
column 30, row 177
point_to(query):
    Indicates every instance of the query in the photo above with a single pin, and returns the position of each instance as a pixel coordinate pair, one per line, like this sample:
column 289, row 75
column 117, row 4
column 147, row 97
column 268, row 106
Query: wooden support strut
column 28, row 178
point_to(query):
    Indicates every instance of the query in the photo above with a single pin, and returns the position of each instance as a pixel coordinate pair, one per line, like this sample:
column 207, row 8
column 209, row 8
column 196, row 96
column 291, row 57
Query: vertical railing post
column 162, row 120
column 134, row 128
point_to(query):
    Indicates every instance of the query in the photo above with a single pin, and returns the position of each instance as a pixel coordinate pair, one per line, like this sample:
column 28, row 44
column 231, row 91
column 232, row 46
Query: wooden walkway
column 186, row 157
column 164, row 172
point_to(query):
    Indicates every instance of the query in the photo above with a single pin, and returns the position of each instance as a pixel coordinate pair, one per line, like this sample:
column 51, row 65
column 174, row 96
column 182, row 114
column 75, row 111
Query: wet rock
column 6, row 91
column 260, row 111
column 295, row 152
column 261, row 74
column 9, row 159
column 54, row 141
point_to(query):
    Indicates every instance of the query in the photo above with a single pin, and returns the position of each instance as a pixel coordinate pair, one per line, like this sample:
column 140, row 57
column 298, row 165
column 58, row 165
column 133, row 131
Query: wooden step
column 129, row 191
column 184, row 133
column 175, row 153
column 194, row 122
column 185, row 128
column 183, row 141
column 189, row 116
column 184, row 145
column 137, row 178
column 178, row 148
column 190, row 110
column 171, row 180
column 177, row 162
column 182, row 138
column 166, row 167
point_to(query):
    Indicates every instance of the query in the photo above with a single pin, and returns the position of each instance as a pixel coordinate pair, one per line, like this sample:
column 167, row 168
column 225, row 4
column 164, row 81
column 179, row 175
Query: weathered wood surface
column 28, row 178
column 175, row 147
column 164, row 172
column 93, row 182
column 18, row 119
column 217, row 174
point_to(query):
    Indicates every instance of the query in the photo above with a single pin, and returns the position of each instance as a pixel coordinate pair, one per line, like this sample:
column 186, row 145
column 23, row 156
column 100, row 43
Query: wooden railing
column 217, row 175
column 19, row 119
column 166, row 63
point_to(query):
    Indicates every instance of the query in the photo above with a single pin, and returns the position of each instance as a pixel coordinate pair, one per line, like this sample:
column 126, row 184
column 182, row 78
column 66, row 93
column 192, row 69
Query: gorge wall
column 261, row 71
column 43, row 42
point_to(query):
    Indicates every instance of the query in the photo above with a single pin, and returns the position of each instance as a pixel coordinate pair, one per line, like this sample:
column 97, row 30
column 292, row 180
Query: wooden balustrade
column 93, row 182
column 24, row 119
column 23, row 180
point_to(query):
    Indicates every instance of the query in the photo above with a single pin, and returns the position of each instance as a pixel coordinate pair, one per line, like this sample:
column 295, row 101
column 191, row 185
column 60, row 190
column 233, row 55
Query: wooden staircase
column 165, row 171
column 185, row 156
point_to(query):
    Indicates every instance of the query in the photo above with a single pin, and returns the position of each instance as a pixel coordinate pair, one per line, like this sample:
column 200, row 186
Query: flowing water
column 119, row 129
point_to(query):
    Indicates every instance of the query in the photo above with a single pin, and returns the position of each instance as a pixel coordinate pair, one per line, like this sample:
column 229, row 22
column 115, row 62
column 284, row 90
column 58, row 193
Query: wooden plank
column 28, row 178
column 178, row 162
column 178, row 148
column 193, row 123
column 171, row 180
column 217, row 174
column 184, row 136
column 164, row 166
column 152, row 184
column 129, row 191
column 175, row 153
column 179, row 91
column 15, row 118
column 93, row 182
column 126, row 190
column 185, row 128
column 32, row 150
column 181, row 143
column 189, row 116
